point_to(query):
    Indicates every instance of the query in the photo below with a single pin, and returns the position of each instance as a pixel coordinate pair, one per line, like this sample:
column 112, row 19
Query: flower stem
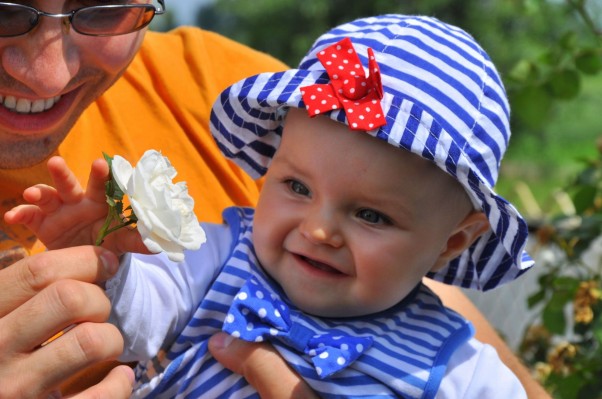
column 129, row 222
column 103, row 230
column 106, row 228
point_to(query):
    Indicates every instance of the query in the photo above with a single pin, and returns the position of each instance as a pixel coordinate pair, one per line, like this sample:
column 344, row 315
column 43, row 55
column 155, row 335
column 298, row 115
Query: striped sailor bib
column 404, row 350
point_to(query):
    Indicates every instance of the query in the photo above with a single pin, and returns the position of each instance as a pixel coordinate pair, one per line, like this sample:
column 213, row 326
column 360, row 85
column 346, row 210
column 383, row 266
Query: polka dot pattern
column 256, row 314
column 333, row 352
column 350, row 89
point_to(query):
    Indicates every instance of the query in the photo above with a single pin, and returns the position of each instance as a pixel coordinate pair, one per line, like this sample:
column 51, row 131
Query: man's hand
column 44, row 294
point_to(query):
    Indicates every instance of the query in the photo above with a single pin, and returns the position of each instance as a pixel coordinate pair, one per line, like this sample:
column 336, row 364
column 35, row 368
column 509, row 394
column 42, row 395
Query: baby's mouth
column 25, row 106
column 320, row 266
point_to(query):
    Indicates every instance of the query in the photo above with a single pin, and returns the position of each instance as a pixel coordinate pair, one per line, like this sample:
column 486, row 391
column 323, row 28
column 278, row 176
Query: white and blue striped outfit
column 411, row 343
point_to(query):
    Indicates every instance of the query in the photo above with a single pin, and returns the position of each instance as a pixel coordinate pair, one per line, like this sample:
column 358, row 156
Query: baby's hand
column 65, row 215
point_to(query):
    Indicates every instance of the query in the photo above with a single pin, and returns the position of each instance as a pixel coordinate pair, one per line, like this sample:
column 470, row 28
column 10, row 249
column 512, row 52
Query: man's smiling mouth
column 25, row 106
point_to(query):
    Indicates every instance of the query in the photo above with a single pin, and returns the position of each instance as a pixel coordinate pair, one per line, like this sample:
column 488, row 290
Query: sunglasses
column 102, row 20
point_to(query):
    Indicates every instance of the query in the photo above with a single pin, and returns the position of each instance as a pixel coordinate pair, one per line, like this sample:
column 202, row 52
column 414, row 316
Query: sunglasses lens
column 108, row 20
column 16, row 20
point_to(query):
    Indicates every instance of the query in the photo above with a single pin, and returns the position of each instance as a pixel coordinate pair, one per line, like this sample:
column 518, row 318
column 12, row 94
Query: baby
column 379, row 154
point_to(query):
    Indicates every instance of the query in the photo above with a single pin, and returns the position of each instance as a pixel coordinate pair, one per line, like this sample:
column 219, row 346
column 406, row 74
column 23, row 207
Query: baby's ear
column 466, row 232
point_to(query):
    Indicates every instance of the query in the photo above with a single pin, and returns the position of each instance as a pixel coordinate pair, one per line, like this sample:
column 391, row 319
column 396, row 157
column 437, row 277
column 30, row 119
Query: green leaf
column 584, row 197
column 531, row 104
column 132, row 216
column 553, row 318
column 564, row 84
column 568, row 387
column 118, row 207
column 548, row 59
column 597, row 330
column 593, row 387
column 565, row 288
column 524, row 71
column 108, row 158
column 536, row 298
column 588, row 176
column 568, row 40
column 109, row 185
column 589, row 61
column 553, row 313
column 112, row 189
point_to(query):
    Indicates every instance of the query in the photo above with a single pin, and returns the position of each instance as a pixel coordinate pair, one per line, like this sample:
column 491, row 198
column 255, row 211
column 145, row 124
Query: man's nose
column 45, row 59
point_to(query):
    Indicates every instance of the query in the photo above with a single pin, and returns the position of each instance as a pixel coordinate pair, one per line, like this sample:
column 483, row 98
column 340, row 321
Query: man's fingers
column 42, row 294
column 82, row 346
column 55, row 308
column 32, row 274
column 259, row 363
column 117, row 384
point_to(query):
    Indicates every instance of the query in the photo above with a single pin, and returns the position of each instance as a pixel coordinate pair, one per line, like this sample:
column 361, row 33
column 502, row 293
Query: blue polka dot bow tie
column 257, row 314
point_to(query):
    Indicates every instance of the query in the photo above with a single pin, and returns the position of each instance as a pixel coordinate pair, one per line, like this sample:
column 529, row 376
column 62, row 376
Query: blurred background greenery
column 547, row 51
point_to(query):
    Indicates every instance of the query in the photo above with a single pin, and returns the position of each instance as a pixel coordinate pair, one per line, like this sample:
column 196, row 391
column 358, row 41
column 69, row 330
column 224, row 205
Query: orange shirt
column 162, row 102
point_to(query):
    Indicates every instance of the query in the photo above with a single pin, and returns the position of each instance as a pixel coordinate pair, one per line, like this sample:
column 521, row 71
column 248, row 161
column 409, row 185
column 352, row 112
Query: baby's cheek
column 262, row 244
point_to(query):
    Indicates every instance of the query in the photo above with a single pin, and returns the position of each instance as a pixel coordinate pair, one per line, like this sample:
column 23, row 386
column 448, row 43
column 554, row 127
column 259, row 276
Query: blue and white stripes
column 443, row 100
column 412, row 342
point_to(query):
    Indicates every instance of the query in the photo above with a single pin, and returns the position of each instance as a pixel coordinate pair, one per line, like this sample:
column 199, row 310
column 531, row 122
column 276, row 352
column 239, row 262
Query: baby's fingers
column 99, row 174
column 65, row 182
column 28, row 215
column 44, row 197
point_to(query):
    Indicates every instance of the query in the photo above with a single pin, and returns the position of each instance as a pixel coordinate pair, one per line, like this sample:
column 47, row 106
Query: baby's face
column 348, row 224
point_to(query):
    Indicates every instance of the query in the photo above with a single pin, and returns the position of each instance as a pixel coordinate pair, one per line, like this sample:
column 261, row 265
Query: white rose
column 165, row 211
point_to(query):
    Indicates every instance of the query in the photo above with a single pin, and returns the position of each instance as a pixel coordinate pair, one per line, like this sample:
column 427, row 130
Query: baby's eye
column 372, row 216
column 298, row 188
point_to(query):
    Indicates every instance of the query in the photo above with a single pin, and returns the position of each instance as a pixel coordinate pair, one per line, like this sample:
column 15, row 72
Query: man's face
column 49, row 76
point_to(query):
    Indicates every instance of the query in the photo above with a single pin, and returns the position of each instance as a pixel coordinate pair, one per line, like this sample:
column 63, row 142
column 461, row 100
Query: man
column 82, row 81
column 54, row 72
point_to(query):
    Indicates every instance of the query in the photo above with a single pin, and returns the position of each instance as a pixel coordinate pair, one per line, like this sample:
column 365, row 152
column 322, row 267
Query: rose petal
column 122, row 172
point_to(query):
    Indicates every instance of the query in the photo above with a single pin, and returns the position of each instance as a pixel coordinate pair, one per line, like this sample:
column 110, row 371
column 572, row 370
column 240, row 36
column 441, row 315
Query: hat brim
column 247, row 123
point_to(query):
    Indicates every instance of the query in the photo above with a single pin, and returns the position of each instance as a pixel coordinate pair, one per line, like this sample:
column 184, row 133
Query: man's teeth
column 25, row 106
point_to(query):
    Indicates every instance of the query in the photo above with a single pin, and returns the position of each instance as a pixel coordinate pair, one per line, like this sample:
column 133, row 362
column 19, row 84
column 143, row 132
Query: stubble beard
column 26, row 153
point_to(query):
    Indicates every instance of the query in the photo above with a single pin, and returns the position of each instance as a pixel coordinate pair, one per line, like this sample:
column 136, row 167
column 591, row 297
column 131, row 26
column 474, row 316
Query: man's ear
column 466, row 232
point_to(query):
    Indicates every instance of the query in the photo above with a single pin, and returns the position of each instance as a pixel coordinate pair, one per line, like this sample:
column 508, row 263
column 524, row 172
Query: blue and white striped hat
column 443, row 100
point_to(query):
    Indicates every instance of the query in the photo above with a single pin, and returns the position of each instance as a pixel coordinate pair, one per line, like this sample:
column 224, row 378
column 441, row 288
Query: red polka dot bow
column 350, row 89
